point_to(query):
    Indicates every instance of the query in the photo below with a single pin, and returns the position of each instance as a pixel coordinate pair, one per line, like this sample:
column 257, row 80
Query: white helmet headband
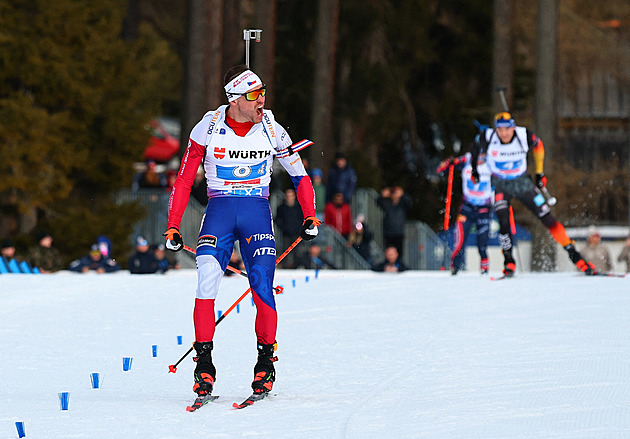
column 243, row 83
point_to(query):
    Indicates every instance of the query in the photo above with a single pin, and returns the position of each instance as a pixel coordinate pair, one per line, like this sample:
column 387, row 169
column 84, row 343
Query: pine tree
column 74, row 100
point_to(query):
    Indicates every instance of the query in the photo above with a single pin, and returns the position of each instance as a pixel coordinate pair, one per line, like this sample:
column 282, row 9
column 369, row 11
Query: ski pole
column 550, row 200
column 449, row 193
column 173, row 367
column 280, row 258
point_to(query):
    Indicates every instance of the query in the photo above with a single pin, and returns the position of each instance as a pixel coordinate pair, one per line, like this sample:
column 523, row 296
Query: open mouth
column 259, row 110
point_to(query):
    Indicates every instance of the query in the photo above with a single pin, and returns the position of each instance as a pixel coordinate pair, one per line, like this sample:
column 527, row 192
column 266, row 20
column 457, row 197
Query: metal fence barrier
column 423, row 249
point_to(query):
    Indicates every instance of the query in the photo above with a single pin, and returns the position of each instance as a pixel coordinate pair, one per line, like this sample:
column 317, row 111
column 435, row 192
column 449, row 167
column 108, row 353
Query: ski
column 610, row 274
column 200, row 402
column 502, row 277
column 249, row 401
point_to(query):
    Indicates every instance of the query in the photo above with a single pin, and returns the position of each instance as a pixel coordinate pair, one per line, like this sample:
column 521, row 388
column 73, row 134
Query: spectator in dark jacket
column 94, row 261
column 314, row 260
column 341, row 178
column 143, row 261
column 44, row 256
column 392, row 262
column 395, row 204
column 289, row 219
column 360, row 238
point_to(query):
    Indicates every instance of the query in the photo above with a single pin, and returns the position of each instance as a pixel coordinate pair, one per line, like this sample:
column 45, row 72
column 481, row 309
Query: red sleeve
column 306, row 196
column 184, row 181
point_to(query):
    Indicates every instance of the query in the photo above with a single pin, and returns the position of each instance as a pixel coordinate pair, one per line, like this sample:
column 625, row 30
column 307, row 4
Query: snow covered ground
column 361, row 355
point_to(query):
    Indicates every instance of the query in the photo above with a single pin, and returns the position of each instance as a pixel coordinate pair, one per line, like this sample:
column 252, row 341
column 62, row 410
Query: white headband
column 242, row 84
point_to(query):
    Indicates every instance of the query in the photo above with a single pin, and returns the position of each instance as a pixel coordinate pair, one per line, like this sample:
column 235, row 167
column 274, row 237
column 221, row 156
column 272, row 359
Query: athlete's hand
column 541, row 180
column 174, row 239
column 309, row 228
column 474, row 176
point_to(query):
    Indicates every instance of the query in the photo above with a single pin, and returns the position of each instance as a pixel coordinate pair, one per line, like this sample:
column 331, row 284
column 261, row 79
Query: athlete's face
column 242, row 110
column 505, row 134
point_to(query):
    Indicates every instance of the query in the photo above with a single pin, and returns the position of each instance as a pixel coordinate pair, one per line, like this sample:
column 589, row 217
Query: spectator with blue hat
column 143, row 261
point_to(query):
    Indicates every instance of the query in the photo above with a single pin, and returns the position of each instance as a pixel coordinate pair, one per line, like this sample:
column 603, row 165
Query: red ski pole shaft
column 512, row 222
column 449, row 193
column 173, row 367
column 280, row 258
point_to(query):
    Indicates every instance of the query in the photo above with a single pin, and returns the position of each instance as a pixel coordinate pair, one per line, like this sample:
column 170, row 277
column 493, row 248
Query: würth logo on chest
column 219, row 153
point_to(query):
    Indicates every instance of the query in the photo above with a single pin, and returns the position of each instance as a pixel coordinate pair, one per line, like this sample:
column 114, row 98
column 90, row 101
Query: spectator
column 9, row 263
column 166, row 260
column 341, row 178
column 360, row 238
column 94, row 261
column 395, row 204
column 171, row 176
column 338, row 215
column 314, row 260
column 624, row 256
column 392, row 262
column 199, row 189
column 289, row 219
column 307, row 166
column 44, row 256
column 150, row 178
column 235, row 262
column 104, row 246
column 320, row 192
column 596, row 252
column 143, row 261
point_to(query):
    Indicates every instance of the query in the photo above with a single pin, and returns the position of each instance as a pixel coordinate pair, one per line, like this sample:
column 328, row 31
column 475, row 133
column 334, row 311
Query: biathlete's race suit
column 237, row 158
column 476, row 208
column 508, row 164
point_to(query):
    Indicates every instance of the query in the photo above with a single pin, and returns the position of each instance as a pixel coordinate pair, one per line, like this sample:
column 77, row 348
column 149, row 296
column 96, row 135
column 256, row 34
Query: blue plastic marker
column 20, row 429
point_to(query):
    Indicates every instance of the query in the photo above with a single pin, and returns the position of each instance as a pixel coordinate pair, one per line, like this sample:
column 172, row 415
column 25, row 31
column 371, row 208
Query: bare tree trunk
column 266, row 50
column 324, row 87
column 213, row 57
column 233, row 45
column 502, row 63
column 543, row 254
column 193, row 100
column 546, row 73
column 131, row 24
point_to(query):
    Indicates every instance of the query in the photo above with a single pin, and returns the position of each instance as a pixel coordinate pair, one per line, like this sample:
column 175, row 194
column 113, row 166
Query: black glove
column 474, row 176
column 541, row 180
column 174, row 239
column 309, row 228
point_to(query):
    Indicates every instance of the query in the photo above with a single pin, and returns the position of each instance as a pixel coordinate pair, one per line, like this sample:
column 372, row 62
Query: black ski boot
column 586, row 267
column 205, row 372
column 508, row 263
column 264, row 371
